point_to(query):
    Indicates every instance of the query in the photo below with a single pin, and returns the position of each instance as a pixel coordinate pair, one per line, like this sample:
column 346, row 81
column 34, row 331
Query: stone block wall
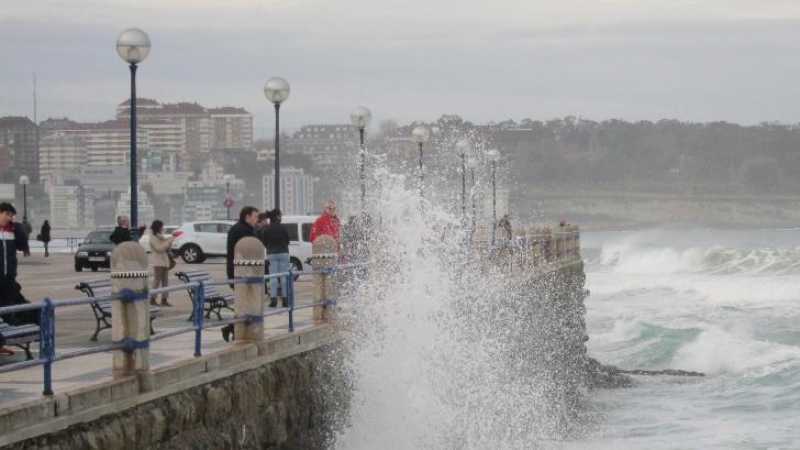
column 273, row 406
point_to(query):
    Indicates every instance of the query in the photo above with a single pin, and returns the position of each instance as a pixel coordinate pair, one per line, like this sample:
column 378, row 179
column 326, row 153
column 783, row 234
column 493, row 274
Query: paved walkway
column 55, row 277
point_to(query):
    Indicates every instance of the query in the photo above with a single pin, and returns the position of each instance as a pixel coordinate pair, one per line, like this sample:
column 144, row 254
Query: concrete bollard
column 324, row 256
column 248, row 262
column 130, row 319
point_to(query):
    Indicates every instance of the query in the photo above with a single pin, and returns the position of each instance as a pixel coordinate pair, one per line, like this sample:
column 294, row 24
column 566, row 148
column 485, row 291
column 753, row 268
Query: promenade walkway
column 56, row 278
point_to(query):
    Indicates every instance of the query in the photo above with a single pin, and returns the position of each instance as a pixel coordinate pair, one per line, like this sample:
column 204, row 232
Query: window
column 205, row 227
column 307, row 232
column 291, row 229
column 224, row 227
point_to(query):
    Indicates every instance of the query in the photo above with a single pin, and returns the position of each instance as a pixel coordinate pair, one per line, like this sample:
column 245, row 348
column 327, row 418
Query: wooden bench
column 214, row 300
column 19, row 335
column 102, row 309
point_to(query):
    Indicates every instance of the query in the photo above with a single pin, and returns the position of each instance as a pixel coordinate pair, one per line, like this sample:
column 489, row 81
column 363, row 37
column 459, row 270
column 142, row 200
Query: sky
column 406, row 60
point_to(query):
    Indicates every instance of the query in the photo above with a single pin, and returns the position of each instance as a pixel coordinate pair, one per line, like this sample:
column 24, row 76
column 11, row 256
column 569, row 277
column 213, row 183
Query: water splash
column 447, row 355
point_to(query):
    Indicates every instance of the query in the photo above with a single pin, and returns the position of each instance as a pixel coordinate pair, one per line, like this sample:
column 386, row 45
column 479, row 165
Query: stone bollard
column 324, row 256
column 248, row 262
column 130, row 318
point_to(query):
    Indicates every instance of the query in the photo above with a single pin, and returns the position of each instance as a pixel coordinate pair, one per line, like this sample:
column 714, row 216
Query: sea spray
column 447, row 352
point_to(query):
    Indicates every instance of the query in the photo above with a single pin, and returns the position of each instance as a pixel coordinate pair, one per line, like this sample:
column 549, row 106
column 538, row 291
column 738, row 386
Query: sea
column 722, row 302
column 725, row 303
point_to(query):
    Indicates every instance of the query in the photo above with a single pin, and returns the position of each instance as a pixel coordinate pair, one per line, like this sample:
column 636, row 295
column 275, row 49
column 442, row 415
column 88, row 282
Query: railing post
column 290, row 298
column 130, row 314
column 47, row 333
column 197, row 316
column 248, row 262
column 323, row 260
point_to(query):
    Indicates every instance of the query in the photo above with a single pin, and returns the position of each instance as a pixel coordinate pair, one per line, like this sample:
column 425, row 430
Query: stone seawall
column 293, row 394
column 240, row 400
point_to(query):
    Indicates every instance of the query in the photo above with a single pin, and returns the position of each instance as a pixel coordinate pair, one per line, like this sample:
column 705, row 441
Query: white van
column 299, row 229
column 194, row 241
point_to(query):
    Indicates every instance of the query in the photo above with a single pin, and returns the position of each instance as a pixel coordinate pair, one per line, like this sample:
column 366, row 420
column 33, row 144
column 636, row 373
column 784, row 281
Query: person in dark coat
column 13, row 239
column 276, row 240
column 248, row 217
column 122, row 232
column 44, row 236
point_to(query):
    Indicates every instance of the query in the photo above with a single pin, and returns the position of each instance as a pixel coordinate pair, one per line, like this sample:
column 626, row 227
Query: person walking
column 122, row 232
column 159, row 259
column 13, row 239
column 44, row 236
column 326, row 223
column 248, row 217
column 276, row 240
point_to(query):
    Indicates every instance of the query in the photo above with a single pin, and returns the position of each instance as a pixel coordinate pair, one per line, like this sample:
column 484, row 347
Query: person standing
column 276, row 240
column 122, row 232
column 326, row 223
column 248, row 217
column 44, row 236
column 13, row 239
column 159, row 259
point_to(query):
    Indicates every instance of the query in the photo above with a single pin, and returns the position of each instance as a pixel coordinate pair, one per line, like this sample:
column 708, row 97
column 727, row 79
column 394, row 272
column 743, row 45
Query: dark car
column 95, row 251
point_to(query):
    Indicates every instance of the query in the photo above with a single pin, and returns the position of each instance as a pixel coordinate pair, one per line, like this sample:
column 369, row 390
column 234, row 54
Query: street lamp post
column 420, row 134
column 494, row 156
column 133, row 46
column 472, row 164
column 277, row 91
column 228, row 201
column 461, row 149
column 24, row 181
column 360, row 117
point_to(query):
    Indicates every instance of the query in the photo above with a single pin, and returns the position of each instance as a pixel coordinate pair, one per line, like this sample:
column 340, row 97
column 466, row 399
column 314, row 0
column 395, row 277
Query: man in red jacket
column 327, row 223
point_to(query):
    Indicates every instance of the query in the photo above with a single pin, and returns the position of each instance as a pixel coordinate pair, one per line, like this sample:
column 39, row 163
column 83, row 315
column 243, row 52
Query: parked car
column 195, row 241
column 145, row 239
column 95, row 251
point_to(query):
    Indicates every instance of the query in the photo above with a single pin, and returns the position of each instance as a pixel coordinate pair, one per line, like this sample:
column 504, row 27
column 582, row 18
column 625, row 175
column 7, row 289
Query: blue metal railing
column 47, row 307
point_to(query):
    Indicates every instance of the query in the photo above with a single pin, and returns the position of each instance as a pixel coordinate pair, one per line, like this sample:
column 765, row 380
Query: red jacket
column 325, row 224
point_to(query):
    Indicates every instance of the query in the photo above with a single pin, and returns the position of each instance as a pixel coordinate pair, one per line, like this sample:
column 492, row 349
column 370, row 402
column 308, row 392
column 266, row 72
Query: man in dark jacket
column 248, row 217
column 122, row 232
column 12, row 239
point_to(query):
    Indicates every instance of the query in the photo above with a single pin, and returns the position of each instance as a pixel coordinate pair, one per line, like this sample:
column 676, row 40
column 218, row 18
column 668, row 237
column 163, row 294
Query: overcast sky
column 698, row 60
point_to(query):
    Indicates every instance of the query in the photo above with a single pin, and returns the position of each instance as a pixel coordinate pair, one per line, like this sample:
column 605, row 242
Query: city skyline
column 406, row 61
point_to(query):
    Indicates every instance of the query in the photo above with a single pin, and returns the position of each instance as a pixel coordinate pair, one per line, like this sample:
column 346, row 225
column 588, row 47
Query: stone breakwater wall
column 234, row 399
column 537, row 334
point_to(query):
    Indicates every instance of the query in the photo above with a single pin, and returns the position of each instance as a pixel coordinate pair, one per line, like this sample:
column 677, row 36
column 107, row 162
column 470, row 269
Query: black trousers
column 11, row 294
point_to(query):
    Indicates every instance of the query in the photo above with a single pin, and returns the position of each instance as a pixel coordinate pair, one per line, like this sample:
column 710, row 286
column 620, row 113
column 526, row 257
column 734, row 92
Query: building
column 60, row 152
column 231, row 128
column 72, row 207
column 297, row 191
column 204, row 198
column 105, row 181
column 145, row 212
column 203, row 130
column 325, row 144
column 19, row 149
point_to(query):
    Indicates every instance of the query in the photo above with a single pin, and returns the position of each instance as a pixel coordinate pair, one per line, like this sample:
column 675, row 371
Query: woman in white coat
column 159, row 260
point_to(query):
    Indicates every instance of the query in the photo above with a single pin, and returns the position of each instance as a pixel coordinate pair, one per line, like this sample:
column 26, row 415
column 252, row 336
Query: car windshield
column 97, row 237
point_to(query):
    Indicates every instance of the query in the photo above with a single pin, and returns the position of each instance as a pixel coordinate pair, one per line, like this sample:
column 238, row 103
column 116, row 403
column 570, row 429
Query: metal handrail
column 47, row 347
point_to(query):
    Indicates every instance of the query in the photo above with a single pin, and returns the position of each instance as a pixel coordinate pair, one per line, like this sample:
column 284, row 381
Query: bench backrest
column 191, row 276
column 95, row 288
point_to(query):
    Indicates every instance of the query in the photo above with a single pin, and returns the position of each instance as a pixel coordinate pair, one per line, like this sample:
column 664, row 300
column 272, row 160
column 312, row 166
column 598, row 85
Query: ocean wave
column 718, row 351
column 631, row 256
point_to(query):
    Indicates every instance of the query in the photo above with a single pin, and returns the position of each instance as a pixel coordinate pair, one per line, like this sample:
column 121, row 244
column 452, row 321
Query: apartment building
column 297, row 191
column 19, row 151
column 72, row 207
column 60, row 152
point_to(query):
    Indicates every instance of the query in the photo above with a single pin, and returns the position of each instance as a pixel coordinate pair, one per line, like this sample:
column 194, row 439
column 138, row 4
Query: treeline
column 668, row 154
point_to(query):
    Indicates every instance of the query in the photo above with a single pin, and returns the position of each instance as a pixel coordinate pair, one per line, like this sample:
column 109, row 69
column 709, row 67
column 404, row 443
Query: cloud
column 414, row 60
